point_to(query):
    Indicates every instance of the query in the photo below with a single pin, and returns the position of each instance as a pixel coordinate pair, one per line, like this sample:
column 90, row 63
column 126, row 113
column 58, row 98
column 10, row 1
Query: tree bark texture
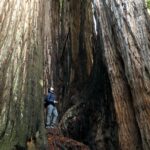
column 21, row 71
column 122, row 35
column 75, row 56
column 51, row 39
column 126, row 54
column 95, row 54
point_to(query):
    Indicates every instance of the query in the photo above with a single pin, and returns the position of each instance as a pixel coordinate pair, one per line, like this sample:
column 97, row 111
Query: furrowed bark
column 20, row 71
column 126, row 54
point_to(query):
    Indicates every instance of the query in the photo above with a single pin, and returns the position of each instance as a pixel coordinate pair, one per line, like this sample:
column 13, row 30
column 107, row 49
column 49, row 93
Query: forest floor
column 56, row 141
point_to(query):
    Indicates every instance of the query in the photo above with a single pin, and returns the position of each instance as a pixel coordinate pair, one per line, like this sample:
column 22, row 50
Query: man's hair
column 48, row 89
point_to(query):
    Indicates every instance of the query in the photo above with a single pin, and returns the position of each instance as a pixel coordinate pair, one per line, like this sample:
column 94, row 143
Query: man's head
column 51, row 89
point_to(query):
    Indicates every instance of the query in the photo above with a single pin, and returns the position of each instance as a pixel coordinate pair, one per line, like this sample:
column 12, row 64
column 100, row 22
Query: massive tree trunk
column 96, row 55
column 121, row 53
column 21, row 71
column 127, row 57
column 75, row 48
column 51, row 39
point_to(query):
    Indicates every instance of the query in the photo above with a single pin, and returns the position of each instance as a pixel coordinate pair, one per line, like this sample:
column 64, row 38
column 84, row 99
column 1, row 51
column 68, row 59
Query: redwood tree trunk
column 96, row 55
column 127, row 57
column 121, row 44
column 21, row 72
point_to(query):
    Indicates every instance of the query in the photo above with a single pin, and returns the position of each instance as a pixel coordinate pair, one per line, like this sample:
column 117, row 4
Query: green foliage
column 148, row 4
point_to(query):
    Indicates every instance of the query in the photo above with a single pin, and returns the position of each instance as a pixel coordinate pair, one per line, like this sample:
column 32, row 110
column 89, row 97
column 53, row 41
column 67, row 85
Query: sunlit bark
column 21, row 66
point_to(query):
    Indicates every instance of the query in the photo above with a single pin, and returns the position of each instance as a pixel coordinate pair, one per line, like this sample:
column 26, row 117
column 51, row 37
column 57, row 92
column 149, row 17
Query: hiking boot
column 47, row 127
column 52, row 126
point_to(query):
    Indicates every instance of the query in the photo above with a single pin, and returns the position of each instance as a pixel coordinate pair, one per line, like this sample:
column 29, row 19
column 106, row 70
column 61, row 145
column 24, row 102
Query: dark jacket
column 51, row 97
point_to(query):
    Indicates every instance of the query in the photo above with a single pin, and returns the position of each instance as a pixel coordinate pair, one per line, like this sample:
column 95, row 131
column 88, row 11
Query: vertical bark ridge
column 120, row 91
column 21, row 82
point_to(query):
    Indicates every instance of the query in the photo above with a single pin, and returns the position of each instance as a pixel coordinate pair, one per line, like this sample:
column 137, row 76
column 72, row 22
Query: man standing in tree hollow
column 52, row 112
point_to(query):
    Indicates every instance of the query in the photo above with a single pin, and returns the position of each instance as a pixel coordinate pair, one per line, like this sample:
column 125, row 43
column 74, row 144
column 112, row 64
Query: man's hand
column 55, row 101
